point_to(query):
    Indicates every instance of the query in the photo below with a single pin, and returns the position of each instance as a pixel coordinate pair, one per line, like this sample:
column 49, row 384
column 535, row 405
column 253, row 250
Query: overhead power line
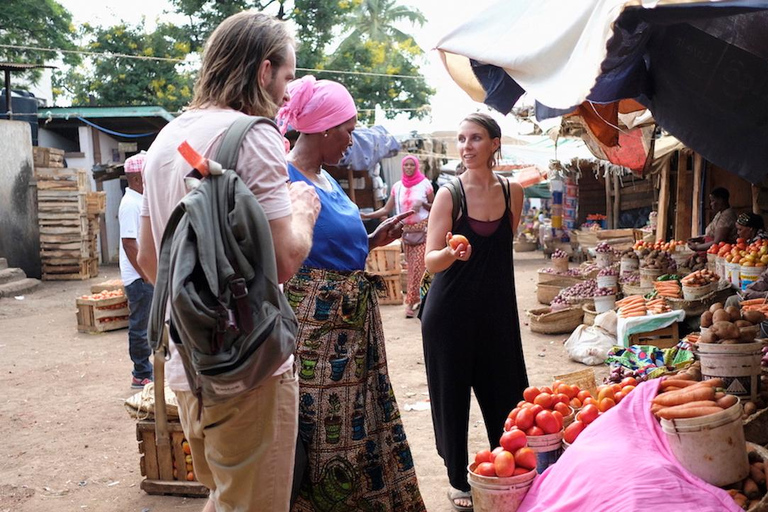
column 113, row 55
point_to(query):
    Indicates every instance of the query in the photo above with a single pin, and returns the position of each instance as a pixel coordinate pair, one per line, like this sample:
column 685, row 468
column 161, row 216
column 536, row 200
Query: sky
column 449, row 105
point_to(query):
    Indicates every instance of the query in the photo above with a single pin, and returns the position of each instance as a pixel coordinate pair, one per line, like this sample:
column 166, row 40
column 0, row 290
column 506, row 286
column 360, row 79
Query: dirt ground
column 69, row 444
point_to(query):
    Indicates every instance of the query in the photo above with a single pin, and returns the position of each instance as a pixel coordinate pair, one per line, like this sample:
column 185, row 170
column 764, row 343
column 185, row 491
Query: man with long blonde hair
column 242, row 449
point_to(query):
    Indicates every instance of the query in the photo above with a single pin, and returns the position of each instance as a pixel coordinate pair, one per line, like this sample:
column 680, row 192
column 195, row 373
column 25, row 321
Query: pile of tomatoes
column 513, row 457
column 608, row 395
column 752, row 255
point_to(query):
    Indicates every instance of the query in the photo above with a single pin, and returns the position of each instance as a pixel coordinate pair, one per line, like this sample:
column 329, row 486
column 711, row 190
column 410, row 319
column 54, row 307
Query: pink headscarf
column 316, row 106
column 418, row 177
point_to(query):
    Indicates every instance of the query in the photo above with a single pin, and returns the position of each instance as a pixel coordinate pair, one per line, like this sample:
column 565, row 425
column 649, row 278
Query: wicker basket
column 585, row 379
column 523, row 246
column 589, row 314
column 628, row 289
column 545, row 292
column 694, row 308
column 546, row 277
column 546, row 321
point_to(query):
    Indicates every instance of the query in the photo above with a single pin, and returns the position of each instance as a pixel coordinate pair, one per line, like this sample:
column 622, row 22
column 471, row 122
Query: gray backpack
column 232, row 325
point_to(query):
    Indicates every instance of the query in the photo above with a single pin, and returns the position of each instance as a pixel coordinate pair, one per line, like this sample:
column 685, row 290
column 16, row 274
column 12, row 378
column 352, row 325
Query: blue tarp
column 371, row 145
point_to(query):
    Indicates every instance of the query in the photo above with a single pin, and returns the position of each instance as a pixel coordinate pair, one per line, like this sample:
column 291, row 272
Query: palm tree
column 375, row 20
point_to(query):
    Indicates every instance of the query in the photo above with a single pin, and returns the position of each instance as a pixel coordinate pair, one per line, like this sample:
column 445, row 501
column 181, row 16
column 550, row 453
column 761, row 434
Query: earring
column 325, row 134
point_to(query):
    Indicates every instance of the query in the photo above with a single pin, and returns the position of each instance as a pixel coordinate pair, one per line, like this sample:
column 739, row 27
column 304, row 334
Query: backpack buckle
column 239, row 291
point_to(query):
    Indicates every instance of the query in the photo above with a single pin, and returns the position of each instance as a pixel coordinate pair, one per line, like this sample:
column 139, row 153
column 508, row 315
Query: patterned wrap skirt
column 414, row 257
column 359, row 458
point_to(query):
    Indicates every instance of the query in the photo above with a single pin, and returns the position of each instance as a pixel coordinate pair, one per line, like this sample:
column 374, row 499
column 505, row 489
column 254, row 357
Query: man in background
column 137, row 287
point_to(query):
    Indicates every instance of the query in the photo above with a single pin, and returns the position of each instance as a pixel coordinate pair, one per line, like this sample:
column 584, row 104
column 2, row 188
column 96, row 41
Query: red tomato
column 526, row 458
column 485, row 469
column 575, row 403
column 524, row 419
column 546, row 389
column 457, row 240
column 559, row 418
column 604, row 391
column 629, row 381
column 530, row 393
column 589, row 400
column 523, row 404
column 544, row 400
column 606, row 404
column 520, row 471
column 495, row 452
column 556, row 385
column 534, row 431
column 627, row 389
column 588, row 413
column 504, row 464
column 618, row 397
column 547, row 422
column 583, row 395
column 513, row 413
column 561, row 398
column 572, row 391
column 508, row 424
column 513, row 440
column 483, row 456
column 573, row 430
column 563, row 408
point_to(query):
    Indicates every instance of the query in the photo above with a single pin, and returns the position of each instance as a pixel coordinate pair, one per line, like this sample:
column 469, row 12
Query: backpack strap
column 454, row 187
column 232, row 140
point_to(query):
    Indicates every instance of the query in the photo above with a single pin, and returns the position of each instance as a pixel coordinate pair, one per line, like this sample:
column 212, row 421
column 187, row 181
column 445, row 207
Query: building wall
column 19, row 234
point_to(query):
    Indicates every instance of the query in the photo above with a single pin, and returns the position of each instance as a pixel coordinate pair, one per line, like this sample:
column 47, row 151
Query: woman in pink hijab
column 413, row 192
column 349, row 422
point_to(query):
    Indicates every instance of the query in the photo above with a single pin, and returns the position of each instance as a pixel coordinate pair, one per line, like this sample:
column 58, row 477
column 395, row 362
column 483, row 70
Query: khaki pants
column 244, row 449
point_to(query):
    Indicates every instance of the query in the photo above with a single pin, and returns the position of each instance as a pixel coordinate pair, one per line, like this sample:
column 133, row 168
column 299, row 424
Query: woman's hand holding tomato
column 458, row 246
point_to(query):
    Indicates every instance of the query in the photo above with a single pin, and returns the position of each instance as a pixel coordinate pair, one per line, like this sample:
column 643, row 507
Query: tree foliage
column 114, row 80
column 36, row 23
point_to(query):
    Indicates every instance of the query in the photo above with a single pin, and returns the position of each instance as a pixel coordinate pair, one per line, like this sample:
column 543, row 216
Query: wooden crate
column 394, row 289
column 160, row 478
column 62, row 179
column 48, row 157
column 96, row 315
column 666, row 337
column 384, row 260
column 108, row 286
column 96, row 203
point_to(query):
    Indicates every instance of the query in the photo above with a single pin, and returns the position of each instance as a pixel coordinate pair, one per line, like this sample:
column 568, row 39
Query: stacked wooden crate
column 68, row 217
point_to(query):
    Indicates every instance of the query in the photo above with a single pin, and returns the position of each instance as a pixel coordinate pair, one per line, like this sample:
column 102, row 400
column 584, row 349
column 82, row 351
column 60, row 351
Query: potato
column 753, row 316
column 706, row 319
column 742, row 323
column 707, row 337
column 714, row 307
column 748, row 334
column 734, row 313
column 724, row 330
column 720, row 315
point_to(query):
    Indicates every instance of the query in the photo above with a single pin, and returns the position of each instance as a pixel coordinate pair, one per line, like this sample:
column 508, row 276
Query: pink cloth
column 623, row 462
column 315, row 106
column 417, row 176
column 134, row 163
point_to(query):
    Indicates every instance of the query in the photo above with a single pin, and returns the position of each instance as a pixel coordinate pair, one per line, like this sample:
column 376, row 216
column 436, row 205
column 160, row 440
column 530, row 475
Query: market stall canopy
column 370, row 146
column 700, row 67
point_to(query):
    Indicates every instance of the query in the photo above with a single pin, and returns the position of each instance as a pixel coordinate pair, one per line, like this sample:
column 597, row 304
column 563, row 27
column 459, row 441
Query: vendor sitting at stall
column 723, row 225
column 750, row 227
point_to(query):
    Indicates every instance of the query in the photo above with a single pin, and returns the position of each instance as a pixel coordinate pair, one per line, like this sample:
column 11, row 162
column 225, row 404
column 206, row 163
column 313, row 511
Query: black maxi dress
column 471, row 335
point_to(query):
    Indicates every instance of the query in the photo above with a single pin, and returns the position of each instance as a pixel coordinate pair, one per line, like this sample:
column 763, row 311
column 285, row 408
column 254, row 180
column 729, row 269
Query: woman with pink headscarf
column 349, row 422
column 413, row 192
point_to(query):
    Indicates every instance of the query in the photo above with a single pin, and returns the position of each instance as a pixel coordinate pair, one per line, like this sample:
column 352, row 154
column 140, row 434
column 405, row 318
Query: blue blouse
column 340, row 241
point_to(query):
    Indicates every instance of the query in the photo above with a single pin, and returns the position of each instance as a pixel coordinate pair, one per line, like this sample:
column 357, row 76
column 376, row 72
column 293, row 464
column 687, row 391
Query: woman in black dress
column 470, row 325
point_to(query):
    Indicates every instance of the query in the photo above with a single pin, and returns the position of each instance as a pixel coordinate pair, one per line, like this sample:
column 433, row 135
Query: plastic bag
column 141, row 406
column 607, row 321
column 589, row 344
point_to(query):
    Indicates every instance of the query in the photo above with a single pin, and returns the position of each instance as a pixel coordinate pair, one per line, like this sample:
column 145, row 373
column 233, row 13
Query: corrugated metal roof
column 104, row 112
column 21, row 66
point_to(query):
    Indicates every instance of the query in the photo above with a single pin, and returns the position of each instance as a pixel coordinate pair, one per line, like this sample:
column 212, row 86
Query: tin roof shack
column 91, row 136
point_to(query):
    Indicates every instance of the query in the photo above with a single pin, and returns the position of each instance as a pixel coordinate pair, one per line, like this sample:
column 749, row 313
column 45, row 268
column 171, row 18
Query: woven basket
column 545, row 292
column 546, row 321
column 523, row 246
column 585, row 379
column 628, row 289
column 694, row 308
column 589, row 314
column 547, row 278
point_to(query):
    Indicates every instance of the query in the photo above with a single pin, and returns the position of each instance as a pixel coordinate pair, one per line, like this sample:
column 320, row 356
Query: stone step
column 21, row 287
column 8, row 275
column 3, row 263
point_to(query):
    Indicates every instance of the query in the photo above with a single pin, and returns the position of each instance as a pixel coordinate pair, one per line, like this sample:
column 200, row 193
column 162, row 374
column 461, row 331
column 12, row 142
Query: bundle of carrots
column 657, row 306
column 668, row 289
column 634, row 305
column 755, row 305
column 681, row 397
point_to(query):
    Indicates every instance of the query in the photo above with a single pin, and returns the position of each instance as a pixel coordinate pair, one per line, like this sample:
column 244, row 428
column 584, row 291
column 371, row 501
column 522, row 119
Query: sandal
column 455, row 494
column 409, row 313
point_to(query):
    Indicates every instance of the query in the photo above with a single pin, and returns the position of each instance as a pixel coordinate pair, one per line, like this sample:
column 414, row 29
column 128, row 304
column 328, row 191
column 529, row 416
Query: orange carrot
column 691, row 394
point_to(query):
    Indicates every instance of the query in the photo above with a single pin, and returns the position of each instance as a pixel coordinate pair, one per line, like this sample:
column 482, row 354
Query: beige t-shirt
column 261, row 164
column 724, row 219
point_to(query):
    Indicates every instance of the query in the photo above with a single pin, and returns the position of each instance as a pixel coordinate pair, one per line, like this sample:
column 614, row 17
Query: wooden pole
column 682, row 197
column 698, row 164
column 661, row 227
column 99, row 188
column 351, row 181
column 616, row 201
column 755, row 203
column 608, row 206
